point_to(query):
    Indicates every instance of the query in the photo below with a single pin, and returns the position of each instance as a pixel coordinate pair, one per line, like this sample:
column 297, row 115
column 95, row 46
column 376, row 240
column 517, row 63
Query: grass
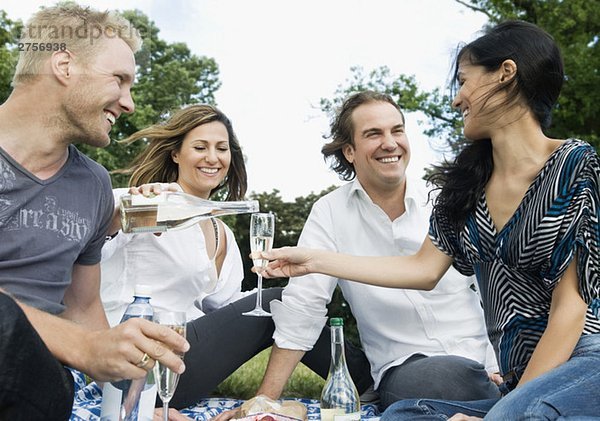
column 244, row 382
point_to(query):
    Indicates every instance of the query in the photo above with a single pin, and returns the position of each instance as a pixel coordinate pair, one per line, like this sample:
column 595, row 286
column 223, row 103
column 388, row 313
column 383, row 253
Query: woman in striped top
column 519, row 210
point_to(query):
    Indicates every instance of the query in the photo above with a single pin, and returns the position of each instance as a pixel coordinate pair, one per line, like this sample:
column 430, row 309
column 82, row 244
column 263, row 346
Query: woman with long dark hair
column 520, row 211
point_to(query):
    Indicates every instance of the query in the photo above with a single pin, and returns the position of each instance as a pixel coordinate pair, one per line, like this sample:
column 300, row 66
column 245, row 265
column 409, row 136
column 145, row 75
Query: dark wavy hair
column 537, row 84
column 342, row 131
column 155, row 164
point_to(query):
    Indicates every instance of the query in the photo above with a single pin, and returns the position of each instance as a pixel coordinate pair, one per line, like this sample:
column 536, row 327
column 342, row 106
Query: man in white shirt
column 418, row 344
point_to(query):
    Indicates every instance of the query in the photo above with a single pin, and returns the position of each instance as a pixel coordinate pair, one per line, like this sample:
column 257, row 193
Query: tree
column 9, row 33
column 575, row 25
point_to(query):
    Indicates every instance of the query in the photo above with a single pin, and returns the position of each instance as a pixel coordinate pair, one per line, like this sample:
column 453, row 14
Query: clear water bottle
column 339, row 399
column 131, row 400
column 174, row 210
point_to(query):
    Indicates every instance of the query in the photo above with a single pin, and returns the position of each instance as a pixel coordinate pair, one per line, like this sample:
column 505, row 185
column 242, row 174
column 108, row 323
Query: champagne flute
column 166, row 379
column 262, row 230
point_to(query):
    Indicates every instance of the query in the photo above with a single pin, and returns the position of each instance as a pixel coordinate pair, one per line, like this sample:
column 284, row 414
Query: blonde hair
column 155, row 163
column 72, row 27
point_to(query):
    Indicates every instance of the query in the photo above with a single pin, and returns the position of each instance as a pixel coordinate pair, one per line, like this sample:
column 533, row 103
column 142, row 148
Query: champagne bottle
column 339, row 398
column 131, row 400
column 174, row 210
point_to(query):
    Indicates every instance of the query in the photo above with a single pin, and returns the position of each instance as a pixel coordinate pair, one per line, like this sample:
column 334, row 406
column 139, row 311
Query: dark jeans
column 223, row 340
column 447, row 377
column 33, row 384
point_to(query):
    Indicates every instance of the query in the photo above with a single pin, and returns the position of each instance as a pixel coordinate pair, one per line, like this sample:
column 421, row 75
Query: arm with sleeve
column 301, row 314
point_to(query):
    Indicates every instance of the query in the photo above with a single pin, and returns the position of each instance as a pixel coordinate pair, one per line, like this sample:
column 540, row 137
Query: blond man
column 71, row 84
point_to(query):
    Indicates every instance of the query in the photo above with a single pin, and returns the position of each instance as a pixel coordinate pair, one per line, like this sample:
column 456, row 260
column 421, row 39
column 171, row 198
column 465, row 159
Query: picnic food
column 265, row 409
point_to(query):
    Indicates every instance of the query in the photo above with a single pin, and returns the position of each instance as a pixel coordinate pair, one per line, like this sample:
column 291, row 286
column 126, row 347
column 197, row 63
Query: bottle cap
column 336, row 321
column 141, row 290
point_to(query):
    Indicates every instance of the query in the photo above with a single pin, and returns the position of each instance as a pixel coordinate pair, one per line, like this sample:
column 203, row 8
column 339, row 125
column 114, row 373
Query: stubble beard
column 79, row 127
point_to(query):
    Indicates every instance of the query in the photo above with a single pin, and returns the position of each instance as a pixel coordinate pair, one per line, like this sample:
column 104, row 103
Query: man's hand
column 120, row 353
column 227, row 415
column 109, row 354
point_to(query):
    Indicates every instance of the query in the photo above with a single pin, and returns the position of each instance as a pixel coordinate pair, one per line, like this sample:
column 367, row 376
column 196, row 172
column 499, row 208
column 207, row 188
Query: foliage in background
column 9, row 33
column 575, row 25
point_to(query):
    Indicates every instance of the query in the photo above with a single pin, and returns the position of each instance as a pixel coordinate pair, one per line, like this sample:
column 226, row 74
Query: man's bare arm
column 282, row 363
column 279, row 369
column 82, row 298
column 108, row 354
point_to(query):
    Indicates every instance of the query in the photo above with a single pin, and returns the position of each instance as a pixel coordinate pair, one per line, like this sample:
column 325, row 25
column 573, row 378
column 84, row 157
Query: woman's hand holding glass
column 288, row 261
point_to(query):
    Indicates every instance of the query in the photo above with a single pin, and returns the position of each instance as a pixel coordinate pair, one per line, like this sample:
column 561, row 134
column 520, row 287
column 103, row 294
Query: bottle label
column 338, row 414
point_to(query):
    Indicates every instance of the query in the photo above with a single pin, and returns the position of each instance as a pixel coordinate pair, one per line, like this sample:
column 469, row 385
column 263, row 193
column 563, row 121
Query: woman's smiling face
column 473, row 100
column 203, row 159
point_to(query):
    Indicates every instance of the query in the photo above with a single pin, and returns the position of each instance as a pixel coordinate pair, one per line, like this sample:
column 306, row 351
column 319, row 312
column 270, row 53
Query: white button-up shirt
column 393, row 323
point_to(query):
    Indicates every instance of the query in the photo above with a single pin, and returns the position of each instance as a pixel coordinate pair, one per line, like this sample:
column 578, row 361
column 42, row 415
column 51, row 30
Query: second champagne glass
column 262, row 230
column 166, row 379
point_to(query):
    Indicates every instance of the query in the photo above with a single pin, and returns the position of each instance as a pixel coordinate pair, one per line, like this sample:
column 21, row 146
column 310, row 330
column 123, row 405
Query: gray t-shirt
column 48, row 225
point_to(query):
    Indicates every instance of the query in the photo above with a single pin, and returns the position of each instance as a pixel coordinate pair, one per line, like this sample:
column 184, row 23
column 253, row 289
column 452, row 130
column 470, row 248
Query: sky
column 278, row 58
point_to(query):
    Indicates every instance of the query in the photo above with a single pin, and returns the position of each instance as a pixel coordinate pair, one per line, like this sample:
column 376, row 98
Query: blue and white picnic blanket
column 88, row 399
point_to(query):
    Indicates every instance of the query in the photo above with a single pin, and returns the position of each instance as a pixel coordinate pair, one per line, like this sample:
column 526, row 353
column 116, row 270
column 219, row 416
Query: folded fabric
column 263, row 408
column 88, row 399
column 266, row 417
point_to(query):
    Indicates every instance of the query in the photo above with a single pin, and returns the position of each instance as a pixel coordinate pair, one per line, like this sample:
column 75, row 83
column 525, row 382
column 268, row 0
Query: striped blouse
column 518, row 267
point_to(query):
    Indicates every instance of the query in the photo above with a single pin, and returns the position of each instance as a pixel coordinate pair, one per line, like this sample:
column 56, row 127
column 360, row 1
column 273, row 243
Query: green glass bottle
column 339, row 399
